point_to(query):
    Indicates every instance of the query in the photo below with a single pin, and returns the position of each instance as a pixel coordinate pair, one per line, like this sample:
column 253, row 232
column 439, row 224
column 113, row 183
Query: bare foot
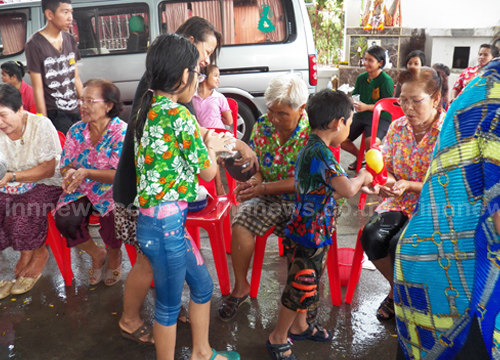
column 98, row 261
column 36, row 264
column 23, row 261
column 114, row 258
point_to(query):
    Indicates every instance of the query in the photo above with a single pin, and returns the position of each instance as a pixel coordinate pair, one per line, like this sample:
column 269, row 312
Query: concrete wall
column 453, row 14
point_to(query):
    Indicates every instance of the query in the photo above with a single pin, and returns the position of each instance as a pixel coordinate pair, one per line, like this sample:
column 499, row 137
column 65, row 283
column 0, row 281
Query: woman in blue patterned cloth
column 446, row 282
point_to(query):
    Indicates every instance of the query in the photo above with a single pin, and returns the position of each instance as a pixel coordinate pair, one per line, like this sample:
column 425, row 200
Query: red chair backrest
column 62, row 138
column 391, row 105
column 233, row 105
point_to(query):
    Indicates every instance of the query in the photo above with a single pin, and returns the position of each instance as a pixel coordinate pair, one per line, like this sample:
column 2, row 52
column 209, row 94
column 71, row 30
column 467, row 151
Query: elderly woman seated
column 29, row 187
column 267, row 198
column 89, row 160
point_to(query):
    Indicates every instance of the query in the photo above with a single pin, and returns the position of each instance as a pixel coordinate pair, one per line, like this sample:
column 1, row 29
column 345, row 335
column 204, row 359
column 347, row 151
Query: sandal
column 319, row 335
column 277, row 351
column 353, row 165
column 136, row 336
column 386, row 309
column 230, row 355
column 97, row 274
column 228, row 308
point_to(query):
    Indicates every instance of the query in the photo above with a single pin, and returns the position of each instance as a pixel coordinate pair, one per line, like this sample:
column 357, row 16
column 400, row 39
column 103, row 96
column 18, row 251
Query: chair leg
column 227, row 233
column 258, row 260
column 361, row 156
column 220, row 259
column 332, row 264
column 61, row 252
column 194, row 231
column 132, row 253
column 280, row 247
column 355, row 269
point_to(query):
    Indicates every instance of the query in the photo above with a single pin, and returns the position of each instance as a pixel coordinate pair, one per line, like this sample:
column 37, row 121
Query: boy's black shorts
column 305, row 267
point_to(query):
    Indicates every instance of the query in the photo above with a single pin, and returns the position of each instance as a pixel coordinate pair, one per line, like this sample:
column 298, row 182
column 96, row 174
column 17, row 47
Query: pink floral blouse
column 408, row 160
column 78, row 149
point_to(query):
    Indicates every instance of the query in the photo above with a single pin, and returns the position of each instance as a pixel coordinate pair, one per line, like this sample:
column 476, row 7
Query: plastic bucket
column 345, row 257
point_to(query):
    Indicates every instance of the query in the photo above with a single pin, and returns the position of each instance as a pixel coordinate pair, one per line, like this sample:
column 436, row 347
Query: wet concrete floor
column 53, row 322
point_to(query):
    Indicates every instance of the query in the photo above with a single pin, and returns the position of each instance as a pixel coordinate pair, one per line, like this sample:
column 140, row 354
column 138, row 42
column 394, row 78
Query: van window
column 12, row 33
column 106, row 30
column 239, row 21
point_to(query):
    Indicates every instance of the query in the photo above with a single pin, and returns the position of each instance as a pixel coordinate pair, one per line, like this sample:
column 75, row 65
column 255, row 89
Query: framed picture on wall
column 373, row 42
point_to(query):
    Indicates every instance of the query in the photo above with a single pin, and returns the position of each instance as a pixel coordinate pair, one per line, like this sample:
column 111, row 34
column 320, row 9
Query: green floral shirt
column 169, row 156
column 277, row 162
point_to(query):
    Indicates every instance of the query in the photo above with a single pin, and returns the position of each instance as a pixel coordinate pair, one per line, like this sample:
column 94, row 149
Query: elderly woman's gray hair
column 288, row 90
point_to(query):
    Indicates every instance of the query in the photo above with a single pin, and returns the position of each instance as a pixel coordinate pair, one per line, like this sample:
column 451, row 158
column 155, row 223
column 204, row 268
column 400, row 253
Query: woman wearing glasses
column 407, row 152
column 88, row 165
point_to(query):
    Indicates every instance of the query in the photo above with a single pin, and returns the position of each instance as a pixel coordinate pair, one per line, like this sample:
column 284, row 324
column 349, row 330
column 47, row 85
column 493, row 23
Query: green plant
column 327, row 21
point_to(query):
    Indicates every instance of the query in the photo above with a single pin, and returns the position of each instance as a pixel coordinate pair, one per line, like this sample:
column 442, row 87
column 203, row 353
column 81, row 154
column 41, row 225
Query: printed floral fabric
column 315, row 214
column 407, row 160
column 169, row 156
column 81, row 153
column 466, row 77
column 277, row 162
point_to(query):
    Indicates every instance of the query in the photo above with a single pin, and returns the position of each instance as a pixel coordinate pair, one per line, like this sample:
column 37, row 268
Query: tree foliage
column 327, row 21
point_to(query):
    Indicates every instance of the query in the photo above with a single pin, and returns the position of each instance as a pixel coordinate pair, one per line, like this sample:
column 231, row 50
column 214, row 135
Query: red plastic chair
column 233, row 105
column 391, row 105
column 57, row 242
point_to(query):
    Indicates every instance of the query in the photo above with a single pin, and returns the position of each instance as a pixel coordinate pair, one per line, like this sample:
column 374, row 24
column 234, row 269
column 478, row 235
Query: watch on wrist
column 13, row 176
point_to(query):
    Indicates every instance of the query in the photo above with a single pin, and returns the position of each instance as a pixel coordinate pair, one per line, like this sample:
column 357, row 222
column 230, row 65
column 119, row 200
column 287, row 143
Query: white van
column 262, row 38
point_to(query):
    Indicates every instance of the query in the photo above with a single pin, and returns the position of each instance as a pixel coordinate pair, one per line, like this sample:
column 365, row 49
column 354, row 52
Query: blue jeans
column 161, row 235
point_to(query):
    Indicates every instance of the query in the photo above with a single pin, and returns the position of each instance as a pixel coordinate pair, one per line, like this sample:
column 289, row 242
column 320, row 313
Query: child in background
column 212, row 109
column 13, row 73
column 319, row 182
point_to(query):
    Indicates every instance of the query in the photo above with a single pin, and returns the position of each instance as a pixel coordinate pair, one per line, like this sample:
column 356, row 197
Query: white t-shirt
column 41, row 143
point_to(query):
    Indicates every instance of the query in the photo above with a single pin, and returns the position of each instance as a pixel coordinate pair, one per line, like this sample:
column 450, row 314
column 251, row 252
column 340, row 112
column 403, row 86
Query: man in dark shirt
column 51, row 56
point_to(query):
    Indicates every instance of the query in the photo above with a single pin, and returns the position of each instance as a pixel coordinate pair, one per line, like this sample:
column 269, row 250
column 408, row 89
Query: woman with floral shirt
column 88, row 165
column 407, row 152
column 486, row 54
column 267, row 198
column 170, row 154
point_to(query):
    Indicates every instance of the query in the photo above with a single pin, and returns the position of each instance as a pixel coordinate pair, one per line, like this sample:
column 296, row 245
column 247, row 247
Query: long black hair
column 199, row 28
column 167, row 58
column 14, row 68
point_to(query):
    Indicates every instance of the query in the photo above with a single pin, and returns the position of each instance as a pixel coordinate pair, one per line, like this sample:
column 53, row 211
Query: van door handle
column 247, row 70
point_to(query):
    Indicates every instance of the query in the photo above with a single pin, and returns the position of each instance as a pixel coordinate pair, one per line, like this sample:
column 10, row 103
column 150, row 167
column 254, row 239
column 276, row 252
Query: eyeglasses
column 90, row 101
column 201, row 77
column 415, row 103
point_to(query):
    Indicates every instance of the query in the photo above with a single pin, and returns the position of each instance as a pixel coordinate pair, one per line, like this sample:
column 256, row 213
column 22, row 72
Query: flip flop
column 97, row 274
column 24, row 284
column 319, row 335
column 136, row 336
column 230, row 355
column 228, row 308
